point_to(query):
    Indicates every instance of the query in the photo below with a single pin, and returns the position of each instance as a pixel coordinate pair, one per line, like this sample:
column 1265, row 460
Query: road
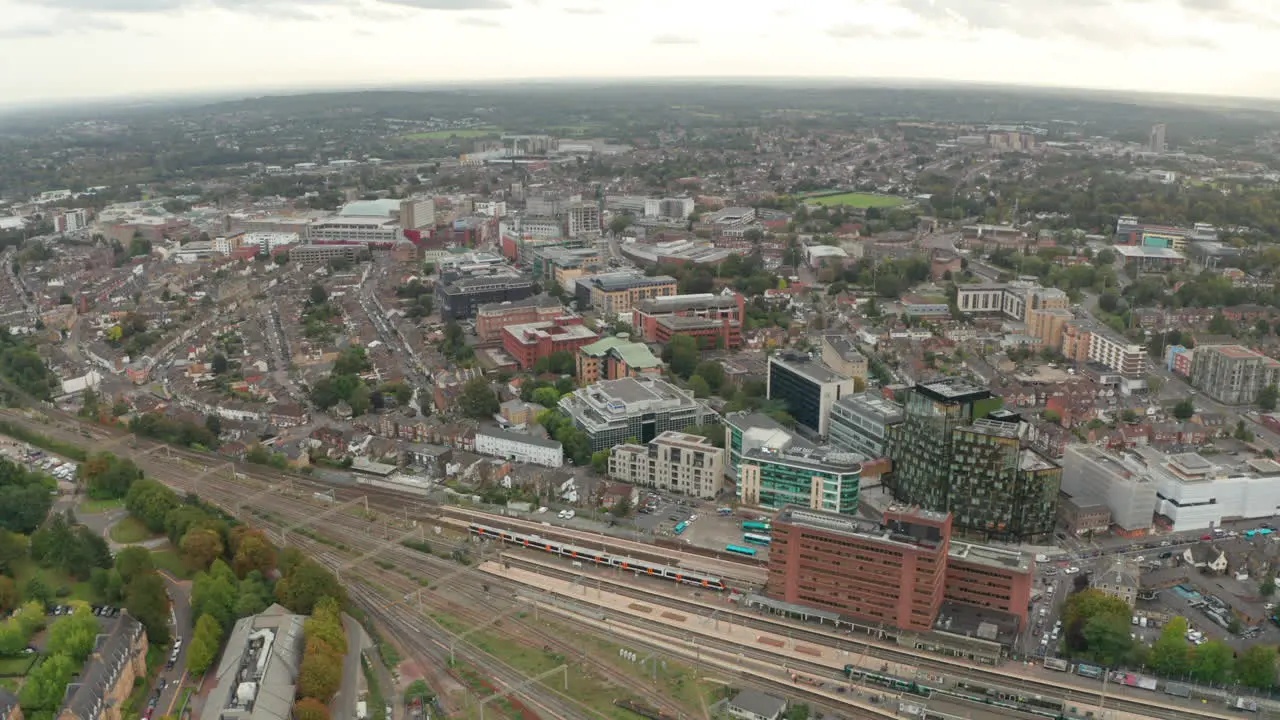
column 176, row 676
column 343, row 706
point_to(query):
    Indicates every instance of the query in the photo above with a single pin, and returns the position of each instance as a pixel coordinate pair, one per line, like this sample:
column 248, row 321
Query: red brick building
column 898, row 572
column 492, row 318
column 716, row 320
column 531, row 341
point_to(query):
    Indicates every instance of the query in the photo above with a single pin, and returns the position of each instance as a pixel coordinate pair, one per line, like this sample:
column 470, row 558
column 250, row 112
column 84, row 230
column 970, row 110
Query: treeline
column 22, row 367
column 186, row 433
column 65, row 449
column 25, row 497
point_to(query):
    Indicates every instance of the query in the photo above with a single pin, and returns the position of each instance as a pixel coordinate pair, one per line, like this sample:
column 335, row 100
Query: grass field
column 859, row 200
column 169, row 561
column 16, row 666
column 55, row 580
column 92, row 507
column 448, row 134
column 130, row 530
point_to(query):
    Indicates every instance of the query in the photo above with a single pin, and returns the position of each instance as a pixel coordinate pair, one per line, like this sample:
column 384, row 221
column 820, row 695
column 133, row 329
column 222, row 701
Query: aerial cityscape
column 641, row 400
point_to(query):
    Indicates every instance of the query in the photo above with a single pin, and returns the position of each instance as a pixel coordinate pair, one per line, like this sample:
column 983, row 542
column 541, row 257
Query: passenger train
column 686, row 576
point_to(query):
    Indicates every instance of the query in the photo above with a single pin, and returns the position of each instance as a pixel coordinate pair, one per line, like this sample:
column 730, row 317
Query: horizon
column 124, row 49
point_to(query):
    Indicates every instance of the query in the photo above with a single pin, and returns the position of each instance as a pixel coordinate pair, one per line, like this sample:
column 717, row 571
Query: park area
column 857, row 200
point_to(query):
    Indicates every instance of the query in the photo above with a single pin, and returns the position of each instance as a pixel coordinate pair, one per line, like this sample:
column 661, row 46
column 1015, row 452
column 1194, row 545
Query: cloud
column 479, row 22
column 850, row 31
column 452, row 4
column 584, row 10
column 63, row 24
column 669, row 39
column 114, row 6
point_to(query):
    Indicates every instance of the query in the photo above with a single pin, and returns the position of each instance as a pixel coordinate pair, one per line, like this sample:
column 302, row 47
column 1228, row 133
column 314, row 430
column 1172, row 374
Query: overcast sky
column 59, row 49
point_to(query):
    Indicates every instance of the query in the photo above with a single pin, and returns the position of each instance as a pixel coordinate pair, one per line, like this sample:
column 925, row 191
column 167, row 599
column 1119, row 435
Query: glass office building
column 775, row 467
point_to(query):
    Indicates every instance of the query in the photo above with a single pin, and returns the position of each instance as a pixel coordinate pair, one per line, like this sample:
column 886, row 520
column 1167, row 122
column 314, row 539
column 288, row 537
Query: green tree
column 620, row 222
column 36, row 590
column 310, row 709
column 317, row 295
column 699, row 387
column 146, row 600
column 600, row 461
column 254, row 597
column 200, row 547
column 254, row 552
column 477, row 399
column 1171, row 654
column 9, row 595
column 1256, row 667
column 133, row 561
column 1184, row 410
column 546, row 396
column 205, row 641
column 418, row 692
column 681, row 353
column 1107, row 638
column 1267, row 397
column 47, row 684
column 712, row 372
column 219, row 364
column 1211, row 662
column 622, row 507
column 215, row 595
column 305, row 584
column 151, row 502
column 74, row 634
column 1267, row 587
column 13, row 550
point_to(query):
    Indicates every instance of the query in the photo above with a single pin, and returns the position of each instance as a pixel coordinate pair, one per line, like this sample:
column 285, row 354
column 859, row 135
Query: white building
column 1195, row 494
column 1118, row 353
column 71, row 221
column 582, row 219
column 270, row 240
column 496, row 208
column 520, row 448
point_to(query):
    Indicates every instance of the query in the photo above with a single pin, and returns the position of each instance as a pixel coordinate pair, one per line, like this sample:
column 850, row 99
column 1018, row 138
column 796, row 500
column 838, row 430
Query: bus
column 681, row 527
column 1089, row 671
column 724, row 511
column 757, row 539
column 1056, row 664
column 752, row 526
column 739, row 550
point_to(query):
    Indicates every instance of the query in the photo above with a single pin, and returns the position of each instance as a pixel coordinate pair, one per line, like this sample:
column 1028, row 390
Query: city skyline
column 135, row 48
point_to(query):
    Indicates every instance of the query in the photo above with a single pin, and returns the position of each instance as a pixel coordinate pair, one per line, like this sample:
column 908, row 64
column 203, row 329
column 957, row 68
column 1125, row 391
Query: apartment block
column 1233, row 374
column 118, row 660
column 1120, row 354
column 519, row 447
column 674, row 462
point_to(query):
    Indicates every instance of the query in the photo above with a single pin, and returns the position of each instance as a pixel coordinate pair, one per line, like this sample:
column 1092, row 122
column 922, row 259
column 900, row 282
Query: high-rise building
column 808, row 387
column 1233, row 374
column 582, row 219
column 956, row 451
column 860, row 423
column 776, row 467
column 417, row 213
column 673, row 462
column 612, row 412
column 1156, row 142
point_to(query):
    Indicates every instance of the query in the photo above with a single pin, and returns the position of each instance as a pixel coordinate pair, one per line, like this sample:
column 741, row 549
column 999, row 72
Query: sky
column 71, row 49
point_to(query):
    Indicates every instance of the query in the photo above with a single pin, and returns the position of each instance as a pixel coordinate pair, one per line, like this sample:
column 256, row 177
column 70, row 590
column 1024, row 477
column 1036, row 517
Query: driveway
column 344, row 703
column 175, row 677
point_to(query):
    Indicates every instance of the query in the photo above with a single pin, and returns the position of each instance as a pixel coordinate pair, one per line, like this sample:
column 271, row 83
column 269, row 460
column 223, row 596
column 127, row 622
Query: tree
column 13, row 550
column 218, row 364
column 305, row 584
column 146, row 600
column 214, row 594
column 620, row 222
column 47, row 684
column 9, row 595
column 797, row 711
column 546, row 396
column 1268, row 587
column 600, row 461
column 1107, row 638
column 1211, row 662
column 1171, row 655
column 36, row 590
column 712, row 372
column 681, row 353
column 1256, row 667
column 1267, row 397
column 200, row 547
column 205, row 640
column 151, row 502
column 622, row 507
column 74, row 634
column 320, row 673
column 213, row 424
column 310, row 709
column 418, row 692
column 699, row 386
column 477, row 399
column 254, row 595
column 1083, row 607
column 133, row 561
column 1051, row 416
column 1184, row 410
column 317, row 295
column 254, row 552
column 1105, row 257
column 1109, row 301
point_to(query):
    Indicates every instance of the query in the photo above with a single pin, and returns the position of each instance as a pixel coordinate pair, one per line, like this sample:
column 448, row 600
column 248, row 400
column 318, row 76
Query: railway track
column 476, row 605
column 1058, row 687
column 393, row 502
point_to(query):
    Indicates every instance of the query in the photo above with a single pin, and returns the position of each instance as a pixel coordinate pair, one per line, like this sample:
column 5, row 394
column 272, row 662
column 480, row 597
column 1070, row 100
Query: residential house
column 287, row 415
column 1207, row 558
column 119, row 658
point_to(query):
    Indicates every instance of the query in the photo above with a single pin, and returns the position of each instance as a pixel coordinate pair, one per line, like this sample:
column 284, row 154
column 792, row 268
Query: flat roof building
column 673, row 462
column 774, row 467
column 716, row 320
column 840, row 353
column 808, row 387
column 530, row 342
column 612, row 412
column 1233, row 374
column 519, row 447
column 860, row 423
column 258, row 675
column 1122, row 483
column 460, row 299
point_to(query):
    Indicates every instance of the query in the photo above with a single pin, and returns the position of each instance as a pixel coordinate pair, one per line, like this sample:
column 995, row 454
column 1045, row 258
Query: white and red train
column 599, row 557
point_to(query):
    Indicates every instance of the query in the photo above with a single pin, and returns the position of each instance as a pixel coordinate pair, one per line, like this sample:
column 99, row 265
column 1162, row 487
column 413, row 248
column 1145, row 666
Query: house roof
column 758, row 703
column 84, row 700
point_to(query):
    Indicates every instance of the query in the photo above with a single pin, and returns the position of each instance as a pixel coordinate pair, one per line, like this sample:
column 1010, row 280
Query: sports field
column 447, row 134
column 858, row 200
